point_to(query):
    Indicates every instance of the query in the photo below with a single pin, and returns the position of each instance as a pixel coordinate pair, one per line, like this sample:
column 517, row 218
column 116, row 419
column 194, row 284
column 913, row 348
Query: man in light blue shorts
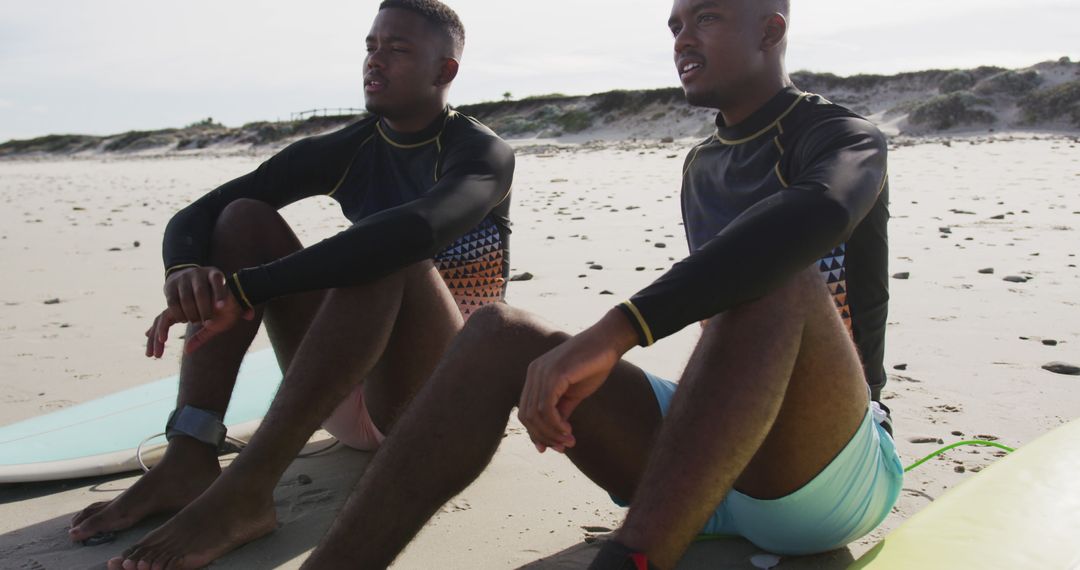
column 845, row 501
column 773, row 432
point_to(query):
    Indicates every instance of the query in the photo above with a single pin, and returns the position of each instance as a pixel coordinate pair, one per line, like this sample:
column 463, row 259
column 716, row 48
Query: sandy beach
column 984, row 249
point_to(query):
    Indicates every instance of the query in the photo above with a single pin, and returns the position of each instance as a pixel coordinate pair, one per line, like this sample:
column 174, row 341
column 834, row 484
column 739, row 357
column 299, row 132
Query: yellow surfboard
column 1021, row 512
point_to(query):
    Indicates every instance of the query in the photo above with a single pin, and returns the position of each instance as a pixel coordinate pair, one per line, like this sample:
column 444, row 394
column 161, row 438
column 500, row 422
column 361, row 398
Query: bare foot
column 187, row 469
column 219, row 521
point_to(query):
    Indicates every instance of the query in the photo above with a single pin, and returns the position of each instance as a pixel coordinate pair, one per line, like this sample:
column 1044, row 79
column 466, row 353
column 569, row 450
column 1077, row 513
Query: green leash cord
column 957, row 444
column 983, row 442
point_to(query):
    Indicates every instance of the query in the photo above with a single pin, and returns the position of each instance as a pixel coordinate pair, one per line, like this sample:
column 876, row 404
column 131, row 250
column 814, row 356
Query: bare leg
column 391, row 332
column 772, row 393
column 247, row 233
column 451, row 431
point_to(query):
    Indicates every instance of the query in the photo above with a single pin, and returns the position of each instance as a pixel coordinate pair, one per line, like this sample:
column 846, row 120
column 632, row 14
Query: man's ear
column 447, row 72
column 775, row 31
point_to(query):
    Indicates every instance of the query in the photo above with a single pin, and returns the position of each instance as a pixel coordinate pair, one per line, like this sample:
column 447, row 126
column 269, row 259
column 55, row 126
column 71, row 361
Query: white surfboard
column 99, row 437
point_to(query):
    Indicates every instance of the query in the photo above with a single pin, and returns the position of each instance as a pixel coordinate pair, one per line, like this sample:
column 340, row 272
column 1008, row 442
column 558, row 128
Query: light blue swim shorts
column 847, row 500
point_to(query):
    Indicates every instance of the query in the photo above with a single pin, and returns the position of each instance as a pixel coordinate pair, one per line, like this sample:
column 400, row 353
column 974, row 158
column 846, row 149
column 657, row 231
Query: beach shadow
column 307, row 499
column 725, row 553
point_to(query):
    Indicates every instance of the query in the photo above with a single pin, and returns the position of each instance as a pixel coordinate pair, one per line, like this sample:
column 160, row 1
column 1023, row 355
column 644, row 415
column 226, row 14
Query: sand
column 80, row 242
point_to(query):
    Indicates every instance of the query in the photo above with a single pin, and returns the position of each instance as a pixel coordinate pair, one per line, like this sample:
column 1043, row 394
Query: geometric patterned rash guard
column 442, row 193
column 801, row 181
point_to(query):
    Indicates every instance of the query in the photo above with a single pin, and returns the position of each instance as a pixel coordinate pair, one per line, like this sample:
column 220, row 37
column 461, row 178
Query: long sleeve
column 843, row 171
column 305, row 168
column 476, row 176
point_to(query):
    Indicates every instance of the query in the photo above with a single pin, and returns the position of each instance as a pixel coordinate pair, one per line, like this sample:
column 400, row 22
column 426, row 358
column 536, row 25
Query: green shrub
column 1052, row 104
column 574, row 121
column 956, row 81
column 1011, row 83
column 958, row 109
column 49, row 144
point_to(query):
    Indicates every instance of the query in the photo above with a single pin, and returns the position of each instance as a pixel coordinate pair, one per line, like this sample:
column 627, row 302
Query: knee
column 243, row 216
column 249, row 231
column 793, row 298
column 499, row 324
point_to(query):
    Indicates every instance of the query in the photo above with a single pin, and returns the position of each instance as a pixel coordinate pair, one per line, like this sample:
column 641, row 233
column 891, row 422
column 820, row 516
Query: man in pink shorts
column 357, row 321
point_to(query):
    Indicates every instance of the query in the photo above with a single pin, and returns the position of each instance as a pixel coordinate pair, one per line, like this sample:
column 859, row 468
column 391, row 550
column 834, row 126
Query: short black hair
column 438, row 14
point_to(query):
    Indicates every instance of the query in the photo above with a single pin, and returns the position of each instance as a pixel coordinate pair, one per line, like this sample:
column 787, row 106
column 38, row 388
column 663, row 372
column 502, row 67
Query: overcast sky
column 101, row 67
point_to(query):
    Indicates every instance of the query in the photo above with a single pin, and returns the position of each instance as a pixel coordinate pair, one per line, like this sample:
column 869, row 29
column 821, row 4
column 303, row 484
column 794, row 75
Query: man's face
column 717, row 48
column 404, row 59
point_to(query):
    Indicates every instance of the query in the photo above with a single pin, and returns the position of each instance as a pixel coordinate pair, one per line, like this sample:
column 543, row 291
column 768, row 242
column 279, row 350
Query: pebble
column 595, row 529
column 606, row 292
column 1062, row 368
column 303, row 479
column 52, row 301
column 987, row 271
column 1049, row 342
column 945, row 230
column 958, row 433
column 136, row 243
column 900, row 367
column 901, row 275
column 522, row 277
column 764, row 561
column 639, row 268
column 114, row 249
column 959, row 469
column 1016, row 279
column 596, row 266
column 660, row 244
column 998, row 217
column 924, row 439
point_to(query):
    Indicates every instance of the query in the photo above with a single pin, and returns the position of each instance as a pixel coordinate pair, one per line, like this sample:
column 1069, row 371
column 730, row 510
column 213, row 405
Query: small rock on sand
column 925, row 439
column 1049, row 342
column 900, row 367
column 901, row 275
column 987, row 271
column 52, row 301
column 1015, row 279
column 595, row 529
column 1062, row 368
column 596, row 266
column 522, row 277
column 606, row 292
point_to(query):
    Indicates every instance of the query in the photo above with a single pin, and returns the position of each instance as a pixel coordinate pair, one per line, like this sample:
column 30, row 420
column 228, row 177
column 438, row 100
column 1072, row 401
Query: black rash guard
column 441, row 193
column 800, row 181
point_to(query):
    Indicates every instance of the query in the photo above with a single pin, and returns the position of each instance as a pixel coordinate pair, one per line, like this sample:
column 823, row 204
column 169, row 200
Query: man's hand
column 220, row 316
column 193, row 294
column 561, row 379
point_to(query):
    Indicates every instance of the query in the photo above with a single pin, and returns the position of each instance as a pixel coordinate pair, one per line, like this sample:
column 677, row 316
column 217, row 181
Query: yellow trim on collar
column 769, row 127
